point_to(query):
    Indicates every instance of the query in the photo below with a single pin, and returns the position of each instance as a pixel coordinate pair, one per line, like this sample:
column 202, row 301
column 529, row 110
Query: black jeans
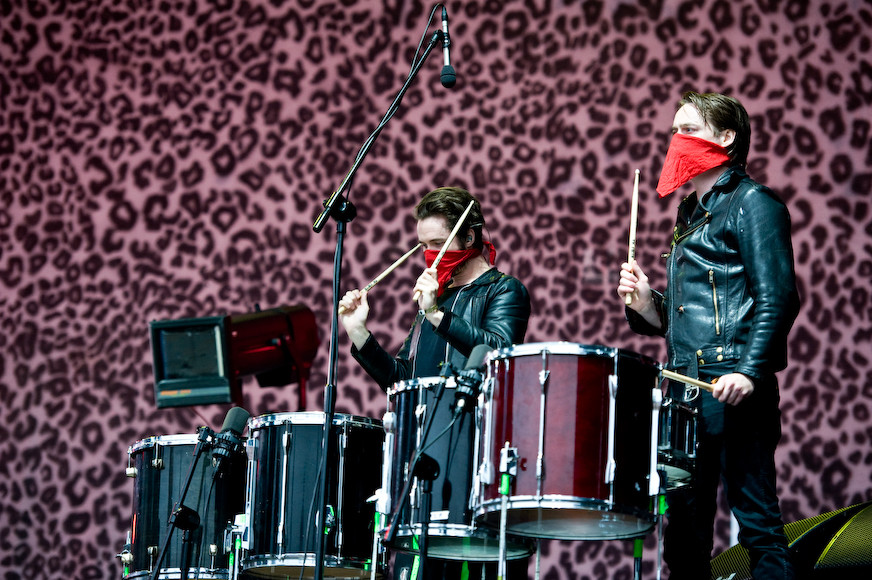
column 736, row 444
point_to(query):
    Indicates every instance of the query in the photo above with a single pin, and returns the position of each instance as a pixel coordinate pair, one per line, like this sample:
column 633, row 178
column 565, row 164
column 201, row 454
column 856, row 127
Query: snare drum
column 159, row 467
column 582, row 422
column 676, row 445
column 284, row 459
column 452, row 534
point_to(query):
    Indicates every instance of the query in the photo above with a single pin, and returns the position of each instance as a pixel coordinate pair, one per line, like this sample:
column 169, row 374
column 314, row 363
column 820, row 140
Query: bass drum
column 582, row 422
column 159, row 467
column 284, row 463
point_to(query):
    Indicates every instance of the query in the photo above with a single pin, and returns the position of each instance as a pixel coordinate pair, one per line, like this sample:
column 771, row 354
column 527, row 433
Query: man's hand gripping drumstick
column 343, row 308
column 686, row 380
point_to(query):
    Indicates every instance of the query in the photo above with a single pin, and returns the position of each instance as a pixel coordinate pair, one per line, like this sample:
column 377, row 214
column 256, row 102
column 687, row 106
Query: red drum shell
column 576, row 498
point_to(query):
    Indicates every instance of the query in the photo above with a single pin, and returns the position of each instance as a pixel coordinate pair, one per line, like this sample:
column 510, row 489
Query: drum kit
column 567, row 441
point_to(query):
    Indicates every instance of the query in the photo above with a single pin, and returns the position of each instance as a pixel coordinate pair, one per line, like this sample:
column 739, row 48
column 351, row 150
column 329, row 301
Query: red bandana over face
column 686, row 158
column 451, row 259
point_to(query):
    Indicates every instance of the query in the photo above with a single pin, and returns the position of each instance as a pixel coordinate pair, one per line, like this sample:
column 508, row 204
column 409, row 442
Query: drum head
column 568, row 519
column 556, row 348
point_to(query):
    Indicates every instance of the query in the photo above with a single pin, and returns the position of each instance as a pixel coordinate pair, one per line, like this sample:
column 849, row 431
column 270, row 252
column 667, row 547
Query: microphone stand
column 184, row 517
column 343, row 211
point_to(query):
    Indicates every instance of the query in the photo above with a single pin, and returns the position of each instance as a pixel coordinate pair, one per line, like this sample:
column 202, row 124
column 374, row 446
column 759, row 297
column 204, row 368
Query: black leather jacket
column 731, row 295
column 493, row 310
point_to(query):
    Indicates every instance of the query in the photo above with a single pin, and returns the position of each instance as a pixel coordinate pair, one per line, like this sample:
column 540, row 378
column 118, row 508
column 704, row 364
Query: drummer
column 730, row 301
column 461, row 303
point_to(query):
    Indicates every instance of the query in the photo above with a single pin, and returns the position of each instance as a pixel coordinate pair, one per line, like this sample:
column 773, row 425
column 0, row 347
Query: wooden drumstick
column 447, row 243
column 634, row 214
column 389, row 269
column 685, row 379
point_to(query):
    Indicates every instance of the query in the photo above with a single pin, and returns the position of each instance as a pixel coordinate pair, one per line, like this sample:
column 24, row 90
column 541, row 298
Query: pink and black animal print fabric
column 166, row 159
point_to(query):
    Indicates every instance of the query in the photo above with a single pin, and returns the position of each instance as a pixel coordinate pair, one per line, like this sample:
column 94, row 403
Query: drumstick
column 447, row 243
column 685, row 379
column 389, row 269
column 634, row 214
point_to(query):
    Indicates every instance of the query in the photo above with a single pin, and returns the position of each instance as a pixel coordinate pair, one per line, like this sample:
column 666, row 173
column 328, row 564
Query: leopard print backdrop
column 166, row 159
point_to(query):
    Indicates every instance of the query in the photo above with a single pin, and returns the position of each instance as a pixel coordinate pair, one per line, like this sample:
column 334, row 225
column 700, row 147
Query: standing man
column 729, row 304
column 462, row 303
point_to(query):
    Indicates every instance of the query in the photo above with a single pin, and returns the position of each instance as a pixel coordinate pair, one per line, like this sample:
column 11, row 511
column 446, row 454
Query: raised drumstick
column 685, row 379
column 389, row 269
column 634, row 214
column 447, row 243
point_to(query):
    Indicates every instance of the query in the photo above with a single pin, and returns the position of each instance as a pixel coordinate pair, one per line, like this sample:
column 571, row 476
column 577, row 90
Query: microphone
column 468, row 381
column 449, row 77
column 229, row 441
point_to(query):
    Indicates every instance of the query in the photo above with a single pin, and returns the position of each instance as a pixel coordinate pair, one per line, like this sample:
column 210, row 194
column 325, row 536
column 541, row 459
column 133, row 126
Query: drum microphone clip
column 469, row 380
column 228, row 443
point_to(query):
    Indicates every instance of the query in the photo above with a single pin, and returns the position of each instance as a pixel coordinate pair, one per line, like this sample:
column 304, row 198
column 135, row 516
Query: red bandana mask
column 686, row 158
column 451, row 259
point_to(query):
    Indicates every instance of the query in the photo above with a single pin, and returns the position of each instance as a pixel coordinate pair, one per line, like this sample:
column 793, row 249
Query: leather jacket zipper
column 706, row 219
column 677, row 238
column 715, row 302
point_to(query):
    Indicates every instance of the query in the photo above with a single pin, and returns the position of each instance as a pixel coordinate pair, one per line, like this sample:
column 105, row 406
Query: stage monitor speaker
column 199, row 361
column 832, row 546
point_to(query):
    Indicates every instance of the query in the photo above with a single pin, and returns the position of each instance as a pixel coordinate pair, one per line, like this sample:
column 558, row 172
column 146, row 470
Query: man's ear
column 728, row 137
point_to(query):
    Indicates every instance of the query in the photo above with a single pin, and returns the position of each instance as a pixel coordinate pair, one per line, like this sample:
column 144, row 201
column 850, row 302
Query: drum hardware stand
column 126, row 556
column 638, row 544
column 508, row 470
column 660, row 510
column 425, row 471
column 655, row 484
column 184, row 517
column 343, row 211
column 378, row 499
column 233, row 540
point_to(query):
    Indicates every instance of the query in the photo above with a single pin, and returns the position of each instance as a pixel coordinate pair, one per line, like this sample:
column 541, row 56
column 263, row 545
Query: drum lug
column 509, row 460
column 486, row 473
column 157, row 461
column 389, row 422
column 611, row 465
column 152, row 554
column 656, row 403
column 130, row 472
column 213, row 553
